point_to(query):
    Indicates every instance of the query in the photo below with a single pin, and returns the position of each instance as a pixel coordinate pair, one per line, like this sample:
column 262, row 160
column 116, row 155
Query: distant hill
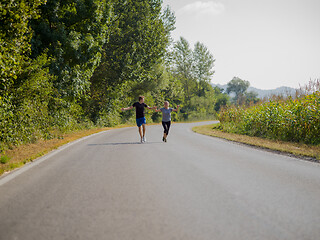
column 287, row 91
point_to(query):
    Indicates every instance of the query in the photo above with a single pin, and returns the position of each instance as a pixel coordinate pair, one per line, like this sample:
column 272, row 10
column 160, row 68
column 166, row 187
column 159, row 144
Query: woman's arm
column 157, row 110
column 176, row 110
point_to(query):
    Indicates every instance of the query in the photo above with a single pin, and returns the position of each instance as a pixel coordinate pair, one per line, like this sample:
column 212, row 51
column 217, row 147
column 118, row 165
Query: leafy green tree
column 72, row 33
column 194, row 69
column 31, row 99
column 139, row 34
column 203, row 63
column 203, row 107
column 25, row 83
column 183, row 67
column 15, row 37
column 239, row 87
column 251, row 97
column 222, row 99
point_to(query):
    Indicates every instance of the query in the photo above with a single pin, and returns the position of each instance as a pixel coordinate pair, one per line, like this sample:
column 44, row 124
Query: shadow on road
column 120, row 143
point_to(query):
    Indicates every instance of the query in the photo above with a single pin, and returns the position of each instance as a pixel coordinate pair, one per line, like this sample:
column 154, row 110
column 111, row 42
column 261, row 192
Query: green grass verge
column 309, row 152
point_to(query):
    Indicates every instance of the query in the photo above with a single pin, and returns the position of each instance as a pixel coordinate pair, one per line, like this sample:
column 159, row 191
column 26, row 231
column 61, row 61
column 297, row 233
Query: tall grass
column 292, row 119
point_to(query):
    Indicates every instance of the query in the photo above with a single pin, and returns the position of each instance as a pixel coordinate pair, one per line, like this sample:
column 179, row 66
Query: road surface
column 109, row 186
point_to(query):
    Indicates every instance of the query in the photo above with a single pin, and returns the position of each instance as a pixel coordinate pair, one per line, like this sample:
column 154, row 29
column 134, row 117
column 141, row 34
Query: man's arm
column 151, row 107
column 176, row 110
column 157, row 110
column 128, row 108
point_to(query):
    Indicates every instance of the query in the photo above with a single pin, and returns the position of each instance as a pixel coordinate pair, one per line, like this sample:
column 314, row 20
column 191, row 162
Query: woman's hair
column 140, row 97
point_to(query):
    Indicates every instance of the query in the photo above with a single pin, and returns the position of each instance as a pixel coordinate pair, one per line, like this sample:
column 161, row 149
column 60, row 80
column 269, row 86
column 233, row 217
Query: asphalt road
column 109, row 186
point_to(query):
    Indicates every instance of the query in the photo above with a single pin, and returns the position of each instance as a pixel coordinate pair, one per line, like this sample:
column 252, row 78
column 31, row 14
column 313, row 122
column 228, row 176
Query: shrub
column 4, row 159
column 296, row 120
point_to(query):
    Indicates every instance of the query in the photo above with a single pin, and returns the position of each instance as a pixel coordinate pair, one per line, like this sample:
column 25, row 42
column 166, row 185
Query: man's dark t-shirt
column 139, row 109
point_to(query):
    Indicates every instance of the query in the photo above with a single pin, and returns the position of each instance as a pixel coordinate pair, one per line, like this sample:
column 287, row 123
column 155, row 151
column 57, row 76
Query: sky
column 270, row 43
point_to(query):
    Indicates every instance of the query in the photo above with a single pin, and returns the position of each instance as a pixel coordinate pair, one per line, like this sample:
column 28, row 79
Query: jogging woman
column 166, row 118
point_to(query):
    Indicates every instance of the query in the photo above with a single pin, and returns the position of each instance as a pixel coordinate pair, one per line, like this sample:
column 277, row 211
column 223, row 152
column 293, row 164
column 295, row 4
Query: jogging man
column 140, row 118
column 166, row 118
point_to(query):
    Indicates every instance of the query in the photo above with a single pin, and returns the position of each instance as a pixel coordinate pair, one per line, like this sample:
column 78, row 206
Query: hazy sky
column 270, row 43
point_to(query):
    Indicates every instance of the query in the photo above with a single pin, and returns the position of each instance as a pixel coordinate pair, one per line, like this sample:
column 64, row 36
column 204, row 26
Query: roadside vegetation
column 280, row 118
column 306, row 151
column 283, row 123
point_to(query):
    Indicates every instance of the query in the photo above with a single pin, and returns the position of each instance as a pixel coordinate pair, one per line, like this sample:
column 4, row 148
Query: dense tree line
column 68, row 64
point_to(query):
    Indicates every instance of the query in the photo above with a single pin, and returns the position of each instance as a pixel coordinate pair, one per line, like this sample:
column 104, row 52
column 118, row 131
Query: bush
column 288, row 120
column 4, row 159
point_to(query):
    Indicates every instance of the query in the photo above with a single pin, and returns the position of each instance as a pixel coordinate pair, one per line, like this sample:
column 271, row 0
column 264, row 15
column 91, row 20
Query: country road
column 194, row 187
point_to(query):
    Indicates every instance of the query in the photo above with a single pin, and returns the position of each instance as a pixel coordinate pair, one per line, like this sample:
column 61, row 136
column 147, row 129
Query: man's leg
column 140, row 131
column 144, row 130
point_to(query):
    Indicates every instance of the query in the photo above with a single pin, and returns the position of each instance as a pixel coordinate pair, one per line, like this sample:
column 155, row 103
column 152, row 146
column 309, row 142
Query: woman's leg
column 164, row 130
column 168, row 127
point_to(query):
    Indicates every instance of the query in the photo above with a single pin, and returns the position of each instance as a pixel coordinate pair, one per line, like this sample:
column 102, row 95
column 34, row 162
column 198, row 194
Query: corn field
column 295, row 120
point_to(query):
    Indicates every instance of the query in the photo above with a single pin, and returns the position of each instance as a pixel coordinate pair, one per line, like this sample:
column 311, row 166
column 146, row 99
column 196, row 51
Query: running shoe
column 144, row 139
column 141, row 140
column 163, row 139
